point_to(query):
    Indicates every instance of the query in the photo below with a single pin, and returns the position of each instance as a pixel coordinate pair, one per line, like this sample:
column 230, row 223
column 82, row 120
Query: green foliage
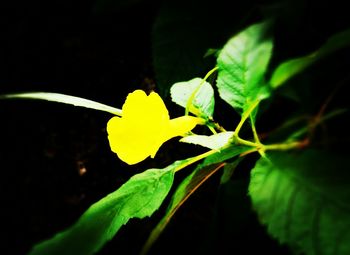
column 242, row 63
column 183, row 192
column 229, row 169
column 190, row 184
column 137, row 198
column 290, row 68
column 214, row 142
column 197, row 95
column 304, row 199
column 65, row 99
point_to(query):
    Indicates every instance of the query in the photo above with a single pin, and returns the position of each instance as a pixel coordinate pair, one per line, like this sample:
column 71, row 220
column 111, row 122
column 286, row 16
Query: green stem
column 241, row 141
column 256, row 147
column 318, row 121
column 255, row 134
column 286, row 146
column 195, row 159
column 212, row 129
column 245, row 116
column 220, row 128
column 261, row 148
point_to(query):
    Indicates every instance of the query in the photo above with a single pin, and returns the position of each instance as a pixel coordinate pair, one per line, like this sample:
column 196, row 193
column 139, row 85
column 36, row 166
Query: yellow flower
column 144, row 126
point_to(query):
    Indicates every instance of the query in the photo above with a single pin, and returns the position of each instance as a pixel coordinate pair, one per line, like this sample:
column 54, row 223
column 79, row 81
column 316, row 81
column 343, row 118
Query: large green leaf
column 196, row 94
column 242, row 64
column 190, row 184
column 291, row 67
column 137, row 198
column 65, row 99
column 304, row 199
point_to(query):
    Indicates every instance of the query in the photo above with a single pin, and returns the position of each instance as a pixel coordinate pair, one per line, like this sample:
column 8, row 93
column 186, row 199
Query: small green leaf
column 304, row 199
column 199, row 91
column 291, row 67
column 137, row 198
column 190, row 184
column 66, row 99
column 211, row 52
column 242, row 63
column 214, row 142
column 229, row 169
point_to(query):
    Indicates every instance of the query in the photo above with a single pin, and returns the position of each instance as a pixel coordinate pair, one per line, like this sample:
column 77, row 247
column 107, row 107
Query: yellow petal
column 112, row 124
column 141, row 130
column 157, row 108
column 181, row 125
column 140, row 108
column 130, row 144
column 128, row 149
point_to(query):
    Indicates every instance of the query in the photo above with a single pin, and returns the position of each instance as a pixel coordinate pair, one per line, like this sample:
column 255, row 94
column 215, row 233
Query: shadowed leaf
column 304, row 200
column 189, row 185
column 292, row 67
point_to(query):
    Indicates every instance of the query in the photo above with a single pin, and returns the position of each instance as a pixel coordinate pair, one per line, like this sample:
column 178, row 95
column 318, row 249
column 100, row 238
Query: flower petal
column 181, row 125
column 131, row 145
column 144, row 126
column 141, row 130
column 140, row 108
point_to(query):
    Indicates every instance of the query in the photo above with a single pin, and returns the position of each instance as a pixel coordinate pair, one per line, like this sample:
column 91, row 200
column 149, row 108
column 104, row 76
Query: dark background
column 55, row 159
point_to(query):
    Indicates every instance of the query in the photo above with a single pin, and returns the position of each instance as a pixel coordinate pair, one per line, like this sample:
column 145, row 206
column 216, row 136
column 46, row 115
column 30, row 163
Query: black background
column 102, row 50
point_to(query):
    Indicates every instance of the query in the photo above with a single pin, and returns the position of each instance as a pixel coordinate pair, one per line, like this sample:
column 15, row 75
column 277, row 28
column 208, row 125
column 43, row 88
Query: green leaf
column 229, row 169
column 137, row 198
column 66, row 99
column 242, row 63
column 199, row 92
column 304, row 199
column 291, row 67
column 214, row 142
column 190, row 184
column 183, row 192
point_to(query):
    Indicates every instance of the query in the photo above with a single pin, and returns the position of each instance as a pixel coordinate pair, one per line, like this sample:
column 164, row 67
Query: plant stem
column 255, row 134
column 212, row 129
column 220, row 128
column 210, row 73
column 261, row 148
column 245, row 115
column 286, row 146
column 214, row 126
column 315, row 122
column 241, row 141
column 195, row 159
